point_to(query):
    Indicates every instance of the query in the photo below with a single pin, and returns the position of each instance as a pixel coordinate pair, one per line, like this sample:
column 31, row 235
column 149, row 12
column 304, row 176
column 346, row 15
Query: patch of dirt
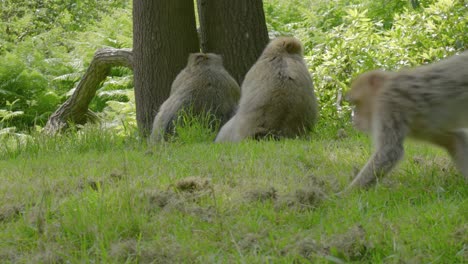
column 251, row 242
column 342, row 248
column 183, row 202
column 261, row 195
column 116, row 175
column 352, row 245
column 443, row 162
column 341, row 134
column 154, row 252
column 193, row 184
column 328, row 184
column 310, row 197
column 51, row 253
column 306, row 198
column 99, row 183
column 9, row 212
column 161, row 199
column 461, row 236
column 307, row 248
column 418, row 160
column 163, row 252
column 123, row 251
column 36, row 218
column 94, row 184
column 9, row 254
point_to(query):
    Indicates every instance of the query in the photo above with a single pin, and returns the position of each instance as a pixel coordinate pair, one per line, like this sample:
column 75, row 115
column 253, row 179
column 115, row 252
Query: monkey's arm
column 389, row 150
column 381, row 162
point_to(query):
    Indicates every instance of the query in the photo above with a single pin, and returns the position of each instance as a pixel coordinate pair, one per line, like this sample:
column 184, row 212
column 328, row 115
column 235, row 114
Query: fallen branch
column 75, row 109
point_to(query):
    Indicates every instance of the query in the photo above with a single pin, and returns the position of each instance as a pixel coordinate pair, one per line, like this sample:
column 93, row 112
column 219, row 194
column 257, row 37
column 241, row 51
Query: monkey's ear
column 293, row 46
column 376, row 79
column 198, row 57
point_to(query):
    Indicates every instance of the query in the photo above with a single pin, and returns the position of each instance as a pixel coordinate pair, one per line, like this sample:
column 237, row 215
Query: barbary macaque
column 428, row 103
column 203, row 86
column 277, row 97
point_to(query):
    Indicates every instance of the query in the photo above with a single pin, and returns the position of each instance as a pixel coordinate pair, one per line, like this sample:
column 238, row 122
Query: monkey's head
column 282, row 45
column 363, row 95
column 196, row 59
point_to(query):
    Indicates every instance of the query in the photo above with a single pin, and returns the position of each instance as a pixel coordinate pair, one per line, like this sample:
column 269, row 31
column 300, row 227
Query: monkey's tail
column 164, row 120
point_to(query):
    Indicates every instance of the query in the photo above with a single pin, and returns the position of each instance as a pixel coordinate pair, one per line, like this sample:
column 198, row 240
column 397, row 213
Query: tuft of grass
column 191, row 128
column 91, row 196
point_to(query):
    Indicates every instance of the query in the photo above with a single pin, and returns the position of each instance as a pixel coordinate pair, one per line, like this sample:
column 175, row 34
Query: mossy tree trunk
column 164, row 33
column 234, row 29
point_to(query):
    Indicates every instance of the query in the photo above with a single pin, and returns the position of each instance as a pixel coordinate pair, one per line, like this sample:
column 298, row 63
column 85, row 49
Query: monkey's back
column 278, row 94
column 198, row 89
column 437, row 90
column 209, row 89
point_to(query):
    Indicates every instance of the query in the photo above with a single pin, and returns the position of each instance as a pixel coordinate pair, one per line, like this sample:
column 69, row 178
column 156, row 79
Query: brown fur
column 277, row 96
column 428, row 103
column 204, row 85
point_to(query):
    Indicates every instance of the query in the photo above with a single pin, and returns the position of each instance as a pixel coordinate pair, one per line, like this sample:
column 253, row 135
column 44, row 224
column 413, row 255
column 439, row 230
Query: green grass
column 92, row 197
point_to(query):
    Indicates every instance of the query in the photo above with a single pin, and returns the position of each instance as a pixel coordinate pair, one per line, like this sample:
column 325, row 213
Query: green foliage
column 24, row 18
column 283, row 17
column 27, row 88
column 120, row 116
column 40, row 69
column 192, row 128
column 362, row 44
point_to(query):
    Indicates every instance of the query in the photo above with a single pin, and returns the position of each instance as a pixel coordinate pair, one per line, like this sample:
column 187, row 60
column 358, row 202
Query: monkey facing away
column 202, row 86
column 277, row 96
column 428, row 103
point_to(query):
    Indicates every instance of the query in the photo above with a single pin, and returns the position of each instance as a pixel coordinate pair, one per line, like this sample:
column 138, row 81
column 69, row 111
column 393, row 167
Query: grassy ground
column 97, row 198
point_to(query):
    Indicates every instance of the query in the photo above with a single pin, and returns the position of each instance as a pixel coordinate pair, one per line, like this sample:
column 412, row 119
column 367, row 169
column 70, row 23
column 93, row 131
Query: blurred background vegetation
column 46, row 45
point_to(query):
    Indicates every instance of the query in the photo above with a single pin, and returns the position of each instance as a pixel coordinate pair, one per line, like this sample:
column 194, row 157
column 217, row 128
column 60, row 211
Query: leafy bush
column 24, row 18
column 361, row 44
column 27, row 88
column 39, row 72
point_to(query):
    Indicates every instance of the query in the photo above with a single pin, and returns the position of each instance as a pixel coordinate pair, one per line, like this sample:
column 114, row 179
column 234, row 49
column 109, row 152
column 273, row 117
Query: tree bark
column 234, row 29
column 75, row 109
column 164, row 33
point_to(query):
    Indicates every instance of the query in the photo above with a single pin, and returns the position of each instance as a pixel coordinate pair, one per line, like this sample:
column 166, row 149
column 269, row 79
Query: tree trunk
column 164, row 33
column 234, row 29
column 75, row 109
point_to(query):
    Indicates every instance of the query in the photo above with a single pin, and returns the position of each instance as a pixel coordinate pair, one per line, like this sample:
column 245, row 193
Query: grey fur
column 428, row 103
column 204, row 85
column 277, row 96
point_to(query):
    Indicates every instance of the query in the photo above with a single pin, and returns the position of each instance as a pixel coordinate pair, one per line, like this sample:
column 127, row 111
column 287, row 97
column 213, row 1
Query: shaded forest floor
column 95, row 197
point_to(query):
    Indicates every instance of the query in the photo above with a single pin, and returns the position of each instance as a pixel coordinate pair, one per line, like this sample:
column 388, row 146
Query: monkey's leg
column 461, row 153
column 456, row 144
column 228, row 132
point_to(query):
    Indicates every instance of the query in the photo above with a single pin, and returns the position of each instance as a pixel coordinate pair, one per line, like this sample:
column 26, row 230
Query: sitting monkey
column 277, row 96
column 203, row 86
